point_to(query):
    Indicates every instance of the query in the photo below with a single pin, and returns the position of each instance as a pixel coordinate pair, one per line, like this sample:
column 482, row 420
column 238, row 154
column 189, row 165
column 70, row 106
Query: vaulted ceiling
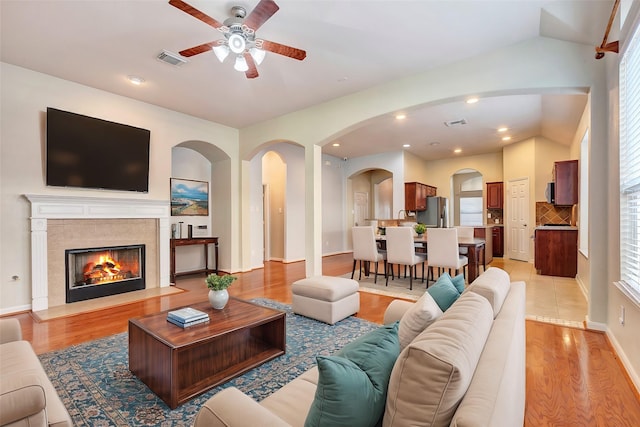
column 351, row 46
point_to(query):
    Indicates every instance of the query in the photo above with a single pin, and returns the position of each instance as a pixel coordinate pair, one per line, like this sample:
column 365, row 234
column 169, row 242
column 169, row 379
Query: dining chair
column 365, row 248
column 466, row 232
column 442, row 246
column 401, row 250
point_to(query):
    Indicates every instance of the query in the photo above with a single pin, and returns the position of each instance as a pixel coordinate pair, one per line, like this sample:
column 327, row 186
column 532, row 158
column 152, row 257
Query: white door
column 360, row 207
column 518, row 220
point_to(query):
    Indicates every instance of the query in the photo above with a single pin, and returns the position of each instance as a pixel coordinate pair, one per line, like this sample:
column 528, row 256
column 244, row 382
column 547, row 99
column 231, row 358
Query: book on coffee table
column 187, row 315
column 187, row 324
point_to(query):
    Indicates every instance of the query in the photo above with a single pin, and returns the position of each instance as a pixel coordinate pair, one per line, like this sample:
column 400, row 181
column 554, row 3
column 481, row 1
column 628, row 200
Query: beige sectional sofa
column 27, row 397
column 465, row 367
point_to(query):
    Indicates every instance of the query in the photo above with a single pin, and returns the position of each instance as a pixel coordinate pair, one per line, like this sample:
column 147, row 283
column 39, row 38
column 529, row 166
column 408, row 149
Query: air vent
column 455, row 123
column 171, row 58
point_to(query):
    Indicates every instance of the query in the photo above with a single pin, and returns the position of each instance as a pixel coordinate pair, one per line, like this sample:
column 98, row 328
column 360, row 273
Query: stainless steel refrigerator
column 436, row 214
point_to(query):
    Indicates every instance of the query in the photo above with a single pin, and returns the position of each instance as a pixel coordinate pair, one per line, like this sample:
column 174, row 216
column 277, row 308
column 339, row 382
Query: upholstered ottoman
column 326, row 298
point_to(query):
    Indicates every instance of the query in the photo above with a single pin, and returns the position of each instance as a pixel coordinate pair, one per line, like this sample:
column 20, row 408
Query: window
column 630, row 166
column 470, row 211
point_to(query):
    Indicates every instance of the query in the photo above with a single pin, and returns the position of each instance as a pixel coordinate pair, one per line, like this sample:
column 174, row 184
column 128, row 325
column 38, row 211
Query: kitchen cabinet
column 415, row 195
column 556, row 252
column 486, row 234
column 495, row 195
column 498, row 241
column 565, row 177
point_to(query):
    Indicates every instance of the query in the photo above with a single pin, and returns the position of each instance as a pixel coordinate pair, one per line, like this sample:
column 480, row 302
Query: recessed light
column 506, row 138
column 472, row 100
column 336, row 144
column 136, row 80
column 401, row 116
column 458, row 150
column 434, row 143
column 503, row 129
column 406, row 145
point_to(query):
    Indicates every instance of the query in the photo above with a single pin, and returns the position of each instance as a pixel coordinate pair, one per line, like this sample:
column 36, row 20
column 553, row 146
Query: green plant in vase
column 420, row 229
column 218, row 294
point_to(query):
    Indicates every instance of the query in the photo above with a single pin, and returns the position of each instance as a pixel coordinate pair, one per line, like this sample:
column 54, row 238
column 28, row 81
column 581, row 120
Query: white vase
column 218, row 299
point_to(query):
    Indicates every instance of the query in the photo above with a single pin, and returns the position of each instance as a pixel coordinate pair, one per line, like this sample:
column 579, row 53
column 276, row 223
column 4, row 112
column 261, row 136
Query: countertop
column 555, row 227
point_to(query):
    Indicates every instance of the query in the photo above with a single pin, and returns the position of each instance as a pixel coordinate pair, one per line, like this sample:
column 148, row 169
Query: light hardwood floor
column 574, row 377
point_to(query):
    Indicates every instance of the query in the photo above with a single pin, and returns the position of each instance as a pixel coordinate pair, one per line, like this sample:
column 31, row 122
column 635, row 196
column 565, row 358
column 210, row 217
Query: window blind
column 630, row 164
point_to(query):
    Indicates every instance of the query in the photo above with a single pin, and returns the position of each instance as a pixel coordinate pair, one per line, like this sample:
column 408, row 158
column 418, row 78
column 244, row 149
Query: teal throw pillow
column 443, row 292
column 352, row 385
column 458, row 282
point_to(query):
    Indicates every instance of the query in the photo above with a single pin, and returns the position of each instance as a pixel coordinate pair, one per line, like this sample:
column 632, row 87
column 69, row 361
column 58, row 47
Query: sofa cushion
column 494, row 285
column 352, row 385
column 422, row 313
column 432, row 374
column 443, row 292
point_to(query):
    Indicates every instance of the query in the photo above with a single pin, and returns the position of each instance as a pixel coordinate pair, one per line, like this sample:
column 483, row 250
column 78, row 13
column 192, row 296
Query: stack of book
column 187, row 316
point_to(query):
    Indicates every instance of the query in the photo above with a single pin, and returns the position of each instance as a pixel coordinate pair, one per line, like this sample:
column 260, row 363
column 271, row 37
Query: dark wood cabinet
column 415, row 195
column 498, row 241
column 565, row 177
column 495, row 195
column 557, row 252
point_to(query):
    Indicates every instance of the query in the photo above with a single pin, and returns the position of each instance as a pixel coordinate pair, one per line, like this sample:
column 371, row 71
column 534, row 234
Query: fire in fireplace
column 99, row 272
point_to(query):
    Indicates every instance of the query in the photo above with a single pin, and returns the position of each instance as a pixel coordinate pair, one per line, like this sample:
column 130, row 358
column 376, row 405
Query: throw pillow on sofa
column 458, row 282
column 443, row 292
column 352, row 385
column 422, row 313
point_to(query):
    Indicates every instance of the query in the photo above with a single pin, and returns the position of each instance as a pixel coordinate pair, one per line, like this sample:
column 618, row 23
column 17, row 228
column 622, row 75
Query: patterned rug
column 397, row 287
column 97, row 388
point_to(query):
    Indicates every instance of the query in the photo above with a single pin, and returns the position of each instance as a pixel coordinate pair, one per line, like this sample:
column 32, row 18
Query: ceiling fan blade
column 197, row 49
column 282, row 49
column 252, row 72
column 195, row 13
column 260, row 14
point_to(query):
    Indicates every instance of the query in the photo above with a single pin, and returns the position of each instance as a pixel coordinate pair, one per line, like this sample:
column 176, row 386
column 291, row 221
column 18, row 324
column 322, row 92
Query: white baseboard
column 596, row 326
column 16, row 309
column 583, row 288
column 625, row 361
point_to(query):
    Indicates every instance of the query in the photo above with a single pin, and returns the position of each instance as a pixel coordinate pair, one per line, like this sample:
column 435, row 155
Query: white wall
column 25, row 97
column 333, row 206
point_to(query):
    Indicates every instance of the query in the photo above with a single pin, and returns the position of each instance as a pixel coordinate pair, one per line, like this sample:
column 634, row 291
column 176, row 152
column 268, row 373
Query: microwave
column 550, row 193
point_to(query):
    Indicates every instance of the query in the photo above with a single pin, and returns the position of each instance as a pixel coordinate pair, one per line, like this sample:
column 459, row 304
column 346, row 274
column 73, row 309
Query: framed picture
column 189, row 197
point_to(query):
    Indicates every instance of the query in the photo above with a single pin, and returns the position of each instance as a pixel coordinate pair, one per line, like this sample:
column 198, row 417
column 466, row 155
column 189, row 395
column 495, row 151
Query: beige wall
column 274, row 174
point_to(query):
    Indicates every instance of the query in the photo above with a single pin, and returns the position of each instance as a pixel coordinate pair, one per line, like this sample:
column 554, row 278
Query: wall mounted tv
column 87, row 152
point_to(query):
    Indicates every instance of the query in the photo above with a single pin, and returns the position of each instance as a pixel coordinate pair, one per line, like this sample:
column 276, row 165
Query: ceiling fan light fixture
column 241, row 64
column 237, row 43
column 257, row 55
column 221, row 52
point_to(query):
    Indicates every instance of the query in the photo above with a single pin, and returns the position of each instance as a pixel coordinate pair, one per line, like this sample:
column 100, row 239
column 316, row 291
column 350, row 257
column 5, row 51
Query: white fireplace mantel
column 45, row 207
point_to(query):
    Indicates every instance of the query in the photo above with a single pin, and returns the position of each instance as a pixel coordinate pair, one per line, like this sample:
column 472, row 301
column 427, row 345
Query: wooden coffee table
column 178, row 364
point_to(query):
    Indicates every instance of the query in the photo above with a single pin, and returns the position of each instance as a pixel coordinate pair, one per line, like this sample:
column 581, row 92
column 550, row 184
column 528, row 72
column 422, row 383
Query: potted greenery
column 420, row 228
column 218, row 294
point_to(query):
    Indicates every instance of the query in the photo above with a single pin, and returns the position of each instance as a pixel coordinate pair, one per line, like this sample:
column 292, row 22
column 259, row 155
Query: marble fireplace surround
column 57, row 214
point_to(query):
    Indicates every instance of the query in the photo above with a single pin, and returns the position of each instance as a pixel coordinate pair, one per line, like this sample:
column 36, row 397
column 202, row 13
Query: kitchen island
column 556, row 250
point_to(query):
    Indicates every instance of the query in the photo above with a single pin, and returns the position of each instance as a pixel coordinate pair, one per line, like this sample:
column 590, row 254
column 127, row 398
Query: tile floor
column 549, row 298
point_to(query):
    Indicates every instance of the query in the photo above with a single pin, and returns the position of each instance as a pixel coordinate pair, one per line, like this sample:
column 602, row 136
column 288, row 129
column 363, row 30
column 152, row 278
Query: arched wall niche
column 203, row 161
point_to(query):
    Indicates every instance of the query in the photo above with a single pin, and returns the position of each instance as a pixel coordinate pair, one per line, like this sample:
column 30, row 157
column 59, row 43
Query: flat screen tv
column 87, row 152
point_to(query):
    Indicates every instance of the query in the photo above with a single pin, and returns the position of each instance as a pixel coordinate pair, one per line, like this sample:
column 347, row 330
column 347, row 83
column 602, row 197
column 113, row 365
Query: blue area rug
column 96, row 386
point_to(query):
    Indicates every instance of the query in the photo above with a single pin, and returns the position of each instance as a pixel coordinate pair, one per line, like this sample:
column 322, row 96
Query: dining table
column 475, row 252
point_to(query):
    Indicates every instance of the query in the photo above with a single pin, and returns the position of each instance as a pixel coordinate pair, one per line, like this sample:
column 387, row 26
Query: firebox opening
column 99, row 272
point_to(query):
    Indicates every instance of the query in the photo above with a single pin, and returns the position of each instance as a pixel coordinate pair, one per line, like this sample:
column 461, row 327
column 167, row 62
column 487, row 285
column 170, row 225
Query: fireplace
column 98, row 272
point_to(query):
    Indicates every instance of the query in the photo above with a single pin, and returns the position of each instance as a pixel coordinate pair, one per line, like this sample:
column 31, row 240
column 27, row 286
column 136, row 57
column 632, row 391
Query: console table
column 204, row 242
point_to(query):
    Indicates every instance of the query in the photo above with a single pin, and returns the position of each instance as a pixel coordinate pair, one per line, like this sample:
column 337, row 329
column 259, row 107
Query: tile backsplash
column 546, row 213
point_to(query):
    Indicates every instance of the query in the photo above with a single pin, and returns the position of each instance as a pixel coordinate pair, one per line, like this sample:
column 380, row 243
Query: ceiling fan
column 240, row 36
